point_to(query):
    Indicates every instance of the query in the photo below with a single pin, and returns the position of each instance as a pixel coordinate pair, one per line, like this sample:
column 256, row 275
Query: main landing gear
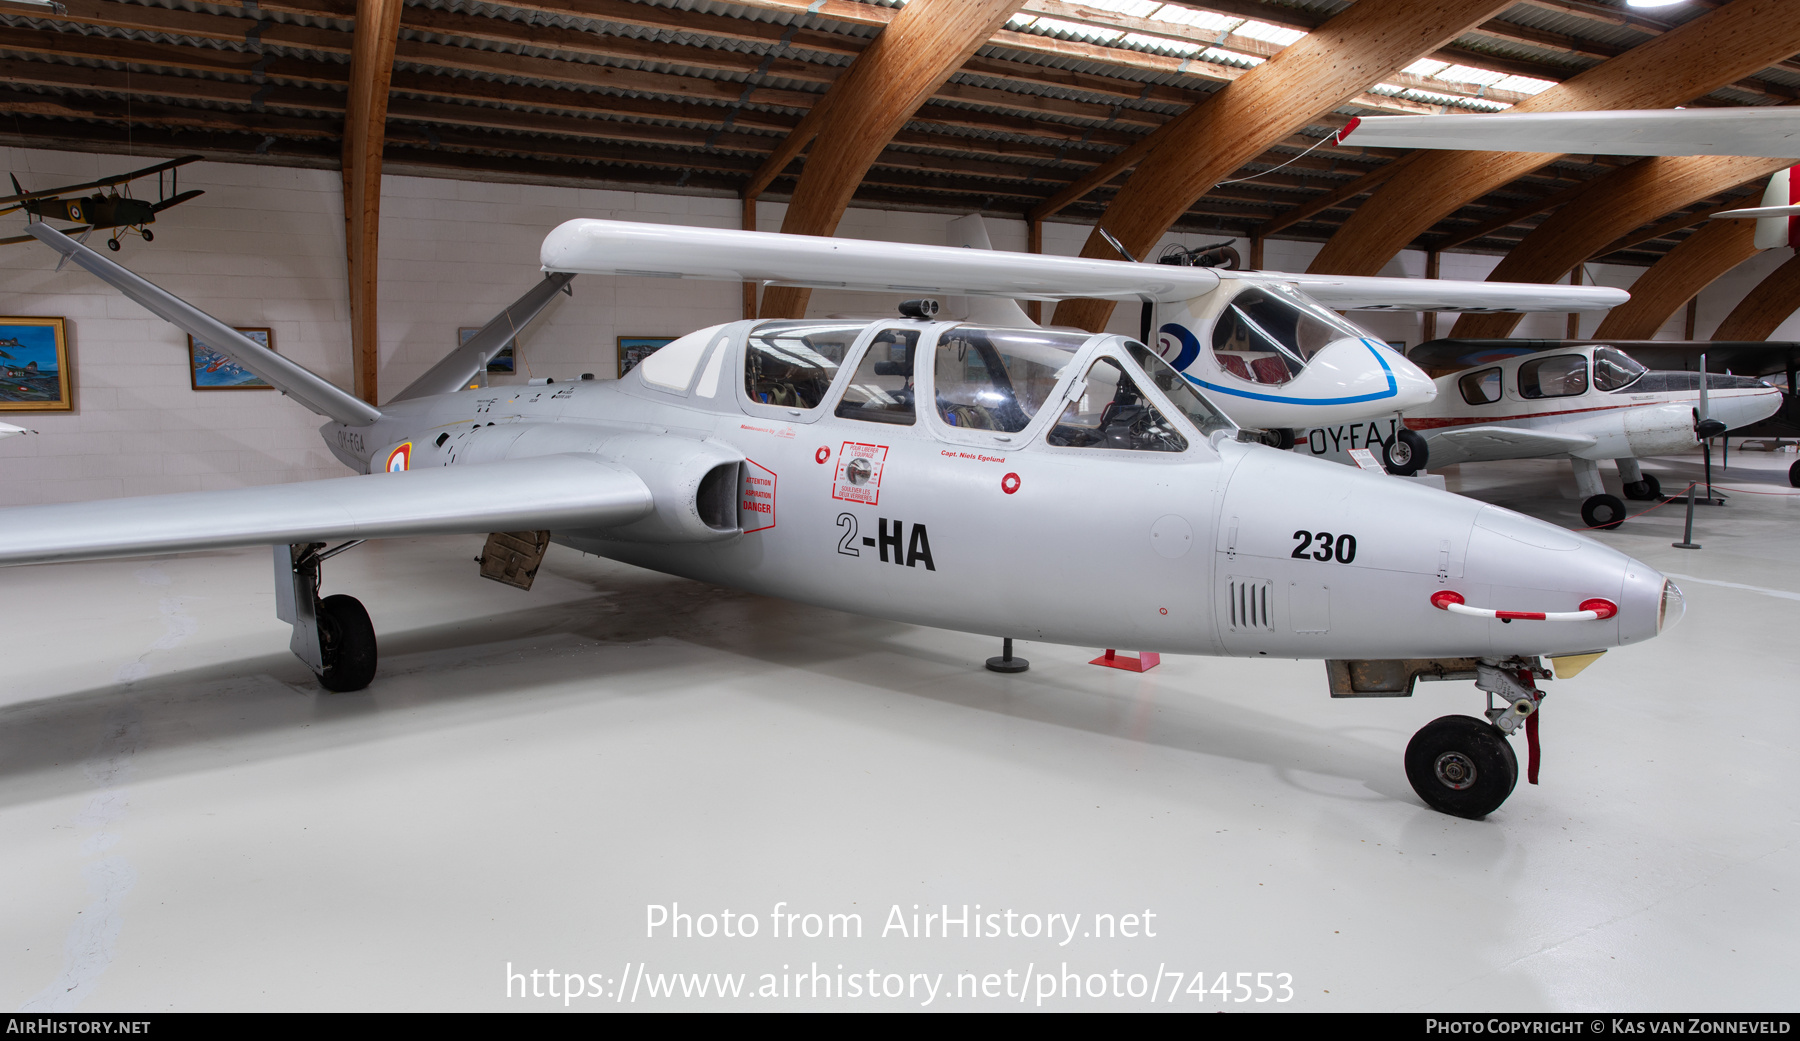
column 333, row 636
column 1464, row 766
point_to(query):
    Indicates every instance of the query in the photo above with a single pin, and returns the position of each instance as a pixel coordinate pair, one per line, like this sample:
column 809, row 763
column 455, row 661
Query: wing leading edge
column 539, row 493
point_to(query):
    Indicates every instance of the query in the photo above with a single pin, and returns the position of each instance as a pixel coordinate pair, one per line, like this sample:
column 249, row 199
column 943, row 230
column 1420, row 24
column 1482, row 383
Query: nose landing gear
column 1464, row 766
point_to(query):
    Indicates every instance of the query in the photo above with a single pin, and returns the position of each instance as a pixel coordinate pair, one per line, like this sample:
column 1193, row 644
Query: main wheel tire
column 347, row 644
column 149, row 236
column 1404, row 454
column 1462, row 766
column 1794, row 475
column 112, row 244
column 1603, row 511
column 1279, row 438
column 1645, row 490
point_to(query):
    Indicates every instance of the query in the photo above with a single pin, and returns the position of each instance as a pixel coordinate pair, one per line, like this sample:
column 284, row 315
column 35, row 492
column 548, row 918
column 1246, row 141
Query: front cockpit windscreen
column 1615, row 370
column 1268, row 333
column 997, row 379
column 1106, row 410
column 1178, row 390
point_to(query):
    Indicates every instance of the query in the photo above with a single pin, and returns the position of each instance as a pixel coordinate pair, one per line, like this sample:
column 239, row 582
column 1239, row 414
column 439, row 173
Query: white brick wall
column 265, row 246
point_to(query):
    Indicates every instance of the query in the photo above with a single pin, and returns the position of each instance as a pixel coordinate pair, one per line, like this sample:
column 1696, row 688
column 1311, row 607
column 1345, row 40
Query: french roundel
column 1177, row 346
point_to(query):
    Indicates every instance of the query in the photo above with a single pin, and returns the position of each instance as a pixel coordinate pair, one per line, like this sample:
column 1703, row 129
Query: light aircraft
column 1738, row 358
column 116, row 210
column 1533, row 399
column 1022, row 483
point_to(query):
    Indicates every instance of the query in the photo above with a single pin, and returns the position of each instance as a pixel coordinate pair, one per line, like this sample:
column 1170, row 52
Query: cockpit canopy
column 1267, row 333
column 971, row 383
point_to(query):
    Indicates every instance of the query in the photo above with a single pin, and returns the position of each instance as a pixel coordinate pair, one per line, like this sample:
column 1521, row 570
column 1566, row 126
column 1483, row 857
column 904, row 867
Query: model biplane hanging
column 115, row 210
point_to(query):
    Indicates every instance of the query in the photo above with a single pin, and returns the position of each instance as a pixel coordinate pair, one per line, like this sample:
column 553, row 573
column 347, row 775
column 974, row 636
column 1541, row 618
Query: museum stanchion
column 1687, row 533
column 1006, row 662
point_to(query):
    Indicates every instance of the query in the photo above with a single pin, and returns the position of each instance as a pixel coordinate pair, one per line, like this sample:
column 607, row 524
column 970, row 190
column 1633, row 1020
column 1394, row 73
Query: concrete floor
column 189, row 823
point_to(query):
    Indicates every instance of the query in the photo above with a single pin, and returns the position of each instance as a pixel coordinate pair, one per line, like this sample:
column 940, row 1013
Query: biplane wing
column 106, row 182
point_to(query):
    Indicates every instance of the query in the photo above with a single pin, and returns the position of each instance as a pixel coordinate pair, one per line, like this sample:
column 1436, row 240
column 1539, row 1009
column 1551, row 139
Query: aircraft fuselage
column 1223, row 548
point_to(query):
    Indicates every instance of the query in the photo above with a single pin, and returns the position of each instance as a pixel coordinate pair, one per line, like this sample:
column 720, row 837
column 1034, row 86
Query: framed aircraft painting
column 505, row 362
column 34, row 365
column 634, row 349
column 211, row 370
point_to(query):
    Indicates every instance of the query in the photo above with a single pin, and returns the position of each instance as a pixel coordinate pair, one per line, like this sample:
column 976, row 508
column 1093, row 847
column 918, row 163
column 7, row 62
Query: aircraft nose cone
column 1412, row 387
column 1523, row 560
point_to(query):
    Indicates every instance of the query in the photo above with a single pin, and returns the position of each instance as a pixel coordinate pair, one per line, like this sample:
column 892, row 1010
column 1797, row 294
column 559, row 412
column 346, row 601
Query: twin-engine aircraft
column 1023, row 483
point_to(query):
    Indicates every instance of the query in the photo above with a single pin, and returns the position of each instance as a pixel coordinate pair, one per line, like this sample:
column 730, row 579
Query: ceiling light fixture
column 43, row 5
column 1651, row 3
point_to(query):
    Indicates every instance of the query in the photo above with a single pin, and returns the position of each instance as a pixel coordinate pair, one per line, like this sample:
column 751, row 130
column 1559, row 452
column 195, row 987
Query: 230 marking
column 1341, row 548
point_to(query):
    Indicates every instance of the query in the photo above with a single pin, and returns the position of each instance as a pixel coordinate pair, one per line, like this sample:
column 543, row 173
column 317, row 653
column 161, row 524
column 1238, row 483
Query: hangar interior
column 193, row 824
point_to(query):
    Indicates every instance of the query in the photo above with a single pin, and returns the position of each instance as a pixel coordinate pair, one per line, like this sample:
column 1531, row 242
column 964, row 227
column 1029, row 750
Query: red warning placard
column 756, row 496
column 859, row 473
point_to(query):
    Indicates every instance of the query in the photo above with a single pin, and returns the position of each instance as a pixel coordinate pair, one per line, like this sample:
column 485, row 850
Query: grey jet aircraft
column 877, row 466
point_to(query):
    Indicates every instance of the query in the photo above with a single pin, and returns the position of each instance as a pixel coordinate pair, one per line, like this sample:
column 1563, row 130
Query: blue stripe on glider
column 1392, row 388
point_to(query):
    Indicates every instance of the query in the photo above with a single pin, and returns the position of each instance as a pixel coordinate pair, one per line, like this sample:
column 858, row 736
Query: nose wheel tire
column 347, row 644
column 1603, row 511
column 1794, row 475
column 1281, row 438
column 1405, row 454
column 1462, row 766
column 1645, row 490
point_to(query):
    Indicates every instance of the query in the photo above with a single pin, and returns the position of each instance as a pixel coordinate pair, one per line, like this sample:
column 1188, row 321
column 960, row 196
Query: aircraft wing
column 534, row 494
column 1446, row 446
column 604, row 247
column 1376, row 293
column 1772, row 131
column 296, row 381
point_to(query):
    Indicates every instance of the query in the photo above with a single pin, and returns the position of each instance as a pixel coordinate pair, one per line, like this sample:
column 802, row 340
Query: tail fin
column 1775, row 232
column 309, row 389
column 970, row 232
column 457, row 368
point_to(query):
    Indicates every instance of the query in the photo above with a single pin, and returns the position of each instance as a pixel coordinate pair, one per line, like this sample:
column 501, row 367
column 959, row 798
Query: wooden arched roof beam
column 926, row 42
column 365, row 134
column 1609, row 206
column 1187, row 157
column 1773, row 300
column 1695, row 263
column 1682, row 64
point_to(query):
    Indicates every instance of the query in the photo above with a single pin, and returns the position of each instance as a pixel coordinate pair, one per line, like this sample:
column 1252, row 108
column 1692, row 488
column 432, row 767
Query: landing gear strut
column 1464, row 766
column 1598, row 509
column 333, row 636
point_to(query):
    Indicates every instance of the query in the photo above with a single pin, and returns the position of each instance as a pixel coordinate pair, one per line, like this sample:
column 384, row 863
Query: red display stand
column 1144, row 662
